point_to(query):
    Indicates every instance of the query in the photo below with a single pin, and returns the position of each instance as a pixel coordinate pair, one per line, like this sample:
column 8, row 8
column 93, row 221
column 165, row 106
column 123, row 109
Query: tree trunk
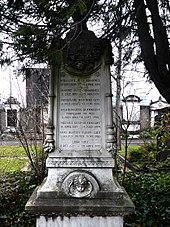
column 155, row 50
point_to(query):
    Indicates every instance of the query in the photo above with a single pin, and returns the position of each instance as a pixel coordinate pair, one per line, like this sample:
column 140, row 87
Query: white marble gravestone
column 80, row 189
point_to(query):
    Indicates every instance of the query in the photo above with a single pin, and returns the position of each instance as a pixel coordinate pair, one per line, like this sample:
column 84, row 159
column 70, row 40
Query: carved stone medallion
column 80, row 187
column 80, row 184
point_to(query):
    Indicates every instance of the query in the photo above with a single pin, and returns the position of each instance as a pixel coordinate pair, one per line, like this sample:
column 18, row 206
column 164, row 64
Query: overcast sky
column 17, row 85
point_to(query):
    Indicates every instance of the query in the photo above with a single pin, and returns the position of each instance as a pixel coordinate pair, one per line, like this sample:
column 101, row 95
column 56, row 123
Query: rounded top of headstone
column 84, row 52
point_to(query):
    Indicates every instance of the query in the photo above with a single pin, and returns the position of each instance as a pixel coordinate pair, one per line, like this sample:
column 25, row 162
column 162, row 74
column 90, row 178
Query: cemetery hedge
column 15, row 189
column 151, row 195
column 149, row 192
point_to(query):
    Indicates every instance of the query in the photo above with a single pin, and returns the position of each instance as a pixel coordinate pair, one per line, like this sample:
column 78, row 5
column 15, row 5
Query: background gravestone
column 80, row 189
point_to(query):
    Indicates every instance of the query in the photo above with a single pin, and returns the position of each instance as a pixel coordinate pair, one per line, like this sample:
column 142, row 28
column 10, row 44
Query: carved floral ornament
column 48, row 146
column 84, row 56
column 80, row 184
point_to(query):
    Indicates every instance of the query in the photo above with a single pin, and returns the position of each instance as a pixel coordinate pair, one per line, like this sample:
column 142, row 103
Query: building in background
column 157, row 108
column 37, row 88
column 37, row 80
column 131, row 113
column 34, row 116
column 9, row 115
column 138, row 115
column 12, row 113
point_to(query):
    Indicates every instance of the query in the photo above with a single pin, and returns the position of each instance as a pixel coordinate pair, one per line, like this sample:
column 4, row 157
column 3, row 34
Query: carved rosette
column 80, row 184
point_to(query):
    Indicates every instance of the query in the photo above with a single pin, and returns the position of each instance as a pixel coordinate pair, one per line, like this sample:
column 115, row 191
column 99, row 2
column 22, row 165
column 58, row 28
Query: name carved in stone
column 80, row 113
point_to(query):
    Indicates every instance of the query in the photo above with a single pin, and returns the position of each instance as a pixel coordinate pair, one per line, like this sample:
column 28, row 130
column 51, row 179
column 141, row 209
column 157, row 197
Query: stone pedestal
column 80, row 189
column 83, row 221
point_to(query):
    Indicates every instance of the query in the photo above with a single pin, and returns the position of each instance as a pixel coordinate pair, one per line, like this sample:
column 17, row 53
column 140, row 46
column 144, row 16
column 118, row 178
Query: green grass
column 12, row 164
column 130, row 148
column 16, row 151
column 12, row 151
column 13, row 158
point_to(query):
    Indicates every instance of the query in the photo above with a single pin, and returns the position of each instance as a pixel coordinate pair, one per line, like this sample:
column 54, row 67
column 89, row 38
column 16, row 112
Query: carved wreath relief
column 80, row 187
column 80, row 184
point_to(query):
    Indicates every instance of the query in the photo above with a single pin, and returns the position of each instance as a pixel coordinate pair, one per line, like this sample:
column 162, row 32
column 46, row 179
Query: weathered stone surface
column 83, row 117
column 79, row 162
column 80, row 166
column 104, row 205
column 83, row 221
column 84, row 54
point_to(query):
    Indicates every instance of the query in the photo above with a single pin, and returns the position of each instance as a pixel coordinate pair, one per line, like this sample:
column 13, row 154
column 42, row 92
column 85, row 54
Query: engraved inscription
column 80, row 112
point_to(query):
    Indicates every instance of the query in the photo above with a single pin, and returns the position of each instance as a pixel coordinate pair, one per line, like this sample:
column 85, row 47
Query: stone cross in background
column 80, row 189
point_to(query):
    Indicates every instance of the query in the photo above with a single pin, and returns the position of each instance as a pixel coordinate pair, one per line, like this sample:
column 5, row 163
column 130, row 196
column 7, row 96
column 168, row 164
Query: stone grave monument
column 80, row 189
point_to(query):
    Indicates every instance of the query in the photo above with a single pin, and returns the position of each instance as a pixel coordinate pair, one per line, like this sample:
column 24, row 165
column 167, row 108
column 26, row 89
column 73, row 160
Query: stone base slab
column 115, row 205
column 83, row 221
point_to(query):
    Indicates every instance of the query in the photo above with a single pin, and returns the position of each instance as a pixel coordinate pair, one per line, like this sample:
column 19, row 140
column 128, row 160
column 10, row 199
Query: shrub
column 15, row 190
column 149, row 192
column 146, row 156
column 151, row 196
column 146, row 134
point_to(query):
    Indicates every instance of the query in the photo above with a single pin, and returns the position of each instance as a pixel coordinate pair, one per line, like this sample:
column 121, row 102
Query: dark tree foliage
column 36, row 28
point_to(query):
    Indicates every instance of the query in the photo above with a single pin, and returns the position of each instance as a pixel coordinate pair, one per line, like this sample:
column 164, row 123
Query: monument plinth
column 80, row 189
